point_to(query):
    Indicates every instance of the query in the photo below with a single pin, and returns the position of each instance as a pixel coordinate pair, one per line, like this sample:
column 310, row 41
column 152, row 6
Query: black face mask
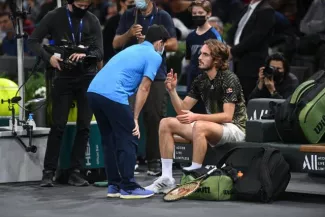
column 131, row 6
column 278, row 76
column 78, row 12
column 198, row 20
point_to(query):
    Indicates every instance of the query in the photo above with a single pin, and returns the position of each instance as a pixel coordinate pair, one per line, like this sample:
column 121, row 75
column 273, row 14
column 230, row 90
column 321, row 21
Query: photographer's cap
column 156, row 33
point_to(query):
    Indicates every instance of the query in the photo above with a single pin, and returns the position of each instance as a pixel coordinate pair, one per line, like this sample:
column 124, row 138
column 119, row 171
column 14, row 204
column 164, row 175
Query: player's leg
column 205, row 133
column 99, row 107
column 167, row 128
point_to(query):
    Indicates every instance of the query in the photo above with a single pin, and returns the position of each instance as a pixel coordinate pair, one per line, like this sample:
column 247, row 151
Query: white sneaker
column 162, row 185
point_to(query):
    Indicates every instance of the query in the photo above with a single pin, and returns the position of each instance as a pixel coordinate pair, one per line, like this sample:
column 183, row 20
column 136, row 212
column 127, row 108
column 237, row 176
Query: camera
column 269, row 71
column 65, row 51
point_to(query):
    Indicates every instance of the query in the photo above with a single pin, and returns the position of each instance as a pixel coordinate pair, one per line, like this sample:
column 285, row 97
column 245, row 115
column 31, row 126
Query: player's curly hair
column 219, row 53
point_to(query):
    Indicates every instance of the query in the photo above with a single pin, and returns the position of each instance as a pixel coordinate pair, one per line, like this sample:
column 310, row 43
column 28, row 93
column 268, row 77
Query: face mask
column 198, row 20
column 141, row 4
column 130, row 6
column 162, row 51
column 25, row 5
column 278, row 76
column 78, row 12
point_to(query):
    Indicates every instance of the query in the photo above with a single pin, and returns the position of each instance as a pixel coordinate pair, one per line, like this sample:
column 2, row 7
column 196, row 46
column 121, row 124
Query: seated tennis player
column 224, row 122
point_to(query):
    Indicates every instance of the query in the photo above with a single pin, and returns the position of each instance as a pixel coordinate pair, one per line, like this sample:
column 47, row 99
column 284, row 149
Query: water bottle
column 31, row 122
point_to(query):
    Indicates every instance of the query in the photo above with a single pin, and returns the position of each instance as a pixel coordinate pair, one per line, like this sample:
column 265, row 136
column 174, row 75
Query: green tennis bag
column 301, row 118
column 218, row 186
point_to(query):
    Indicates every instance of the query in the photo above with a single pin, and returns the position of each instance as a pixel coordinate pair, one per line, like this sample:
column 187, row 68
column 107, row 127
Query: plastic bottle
column 31, row 122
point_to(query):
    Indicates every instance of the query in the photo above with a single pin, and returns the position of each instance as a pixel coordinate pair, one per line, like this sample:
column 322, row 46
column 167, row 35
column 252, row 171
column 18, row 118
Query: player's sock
column 194, row 166
column 167, row 168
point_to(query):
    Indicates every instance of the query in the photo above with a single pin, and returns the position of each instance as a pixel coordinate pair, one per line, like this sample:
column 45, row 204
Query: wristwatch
column 274, row 93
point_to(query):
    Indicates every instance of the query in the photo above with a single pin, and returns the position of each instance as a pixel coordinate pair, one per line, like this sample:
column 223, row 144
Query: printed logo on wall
column 183, row 153
column 88, row 156
column 314, row 162
column 255, row 115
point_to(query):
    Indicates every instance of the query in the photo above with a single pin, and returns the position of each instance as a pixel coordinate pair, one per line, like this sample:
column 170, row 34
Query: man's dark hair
column 279, row 57
column 156, row 33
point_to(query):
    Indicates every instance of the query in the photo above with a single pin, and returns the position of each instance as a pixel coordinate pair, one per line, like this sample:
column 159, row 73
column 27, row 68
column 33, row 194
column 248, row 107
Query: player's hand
column 135, row 30
column 187, row 117
column 55, row 62
column 136, row 130
column 171, row 80
column 75, row 57
column 141, row 38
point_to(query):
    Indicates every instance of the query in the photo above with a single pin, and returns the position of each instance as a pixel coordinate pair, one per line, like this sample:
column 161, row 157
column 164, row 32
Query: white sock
column 194, row 166
column 167, row 168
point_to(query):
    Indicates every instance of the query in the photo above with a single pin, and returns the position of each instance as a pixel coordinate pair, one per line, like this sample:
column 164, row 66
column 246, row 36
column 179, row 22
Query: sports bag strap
column 265, row 174
column 227, row 155
column 231, row 172
column 318, row 75
column 300, row 90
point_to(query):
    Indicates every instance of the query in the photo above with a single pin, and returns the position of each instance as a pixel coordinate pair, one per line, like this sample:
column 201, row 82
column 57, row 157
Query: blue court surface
column 305, row 197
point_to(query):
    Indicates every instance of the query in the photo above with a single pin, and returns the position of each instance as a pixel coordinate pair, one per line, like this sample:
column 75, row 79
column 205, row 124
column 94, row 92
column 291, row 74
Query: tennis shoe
column 113, row 191
column 162, row 185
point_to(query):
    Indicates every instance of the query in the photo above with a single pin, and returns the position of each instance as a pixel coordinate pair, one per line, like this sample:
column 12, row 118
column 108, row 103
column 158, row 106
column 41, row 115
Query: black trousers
column 115, row 122
column 63, row 92
column 153, row 111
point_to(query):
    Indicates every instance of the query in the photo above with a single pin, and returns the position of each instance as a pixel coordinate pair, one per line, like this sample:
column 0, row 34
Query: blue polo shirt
column 159, row 17
column 121, row 76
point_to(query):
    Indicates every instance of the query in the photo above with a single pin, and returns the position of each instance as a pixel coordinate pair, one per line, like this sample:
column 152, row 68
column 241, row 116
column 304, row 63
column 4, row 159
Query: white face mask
column 162, row 51
column 141, row 4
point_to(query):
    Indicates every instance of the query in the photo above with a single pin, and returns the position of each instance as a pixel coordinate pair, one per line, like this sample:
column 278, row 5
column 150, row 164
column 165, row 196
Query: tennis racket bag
column 218, row 186
column 265, row 173
column 301, row 118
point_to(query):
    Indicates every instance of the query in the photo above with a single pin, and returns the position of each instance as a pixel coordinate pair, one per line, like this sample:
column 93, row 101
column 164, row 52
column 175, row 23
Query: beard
column 205, row 68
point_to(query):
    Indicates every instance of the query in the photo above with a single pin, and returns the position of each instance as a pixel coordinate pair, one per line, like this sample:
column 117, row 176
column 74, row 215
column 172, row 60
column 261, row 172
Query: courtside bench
column 308, row 158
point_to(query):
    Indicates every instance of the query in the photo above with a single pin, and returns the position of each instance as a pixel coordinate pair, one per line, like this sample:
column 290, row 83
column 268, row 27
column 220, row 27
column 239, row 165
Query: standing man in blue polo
column 132, row 27
column 132, row 69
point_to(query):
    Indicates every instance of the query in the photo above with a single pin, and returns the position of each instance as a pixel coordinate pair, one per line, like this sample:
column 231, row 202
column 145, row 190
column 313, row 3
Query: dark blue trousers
column 115, row 122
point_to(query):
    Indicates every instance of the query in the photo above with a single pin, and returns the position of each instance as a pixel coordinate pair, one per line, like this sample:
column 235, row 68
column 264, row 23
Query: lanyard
column 217, row 34
column 151, row 19
column 72, row 32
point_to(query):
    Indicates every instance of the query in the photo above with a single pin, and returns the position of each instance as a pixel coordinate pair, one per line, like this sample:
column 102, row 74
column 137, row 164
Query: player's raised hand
column 171, row 80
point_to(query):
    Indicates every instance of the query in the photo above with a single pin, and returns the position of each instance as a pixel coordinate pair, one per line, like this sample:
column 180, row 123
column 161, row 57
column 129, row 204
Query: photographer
column 72, row 76
column 275, row 80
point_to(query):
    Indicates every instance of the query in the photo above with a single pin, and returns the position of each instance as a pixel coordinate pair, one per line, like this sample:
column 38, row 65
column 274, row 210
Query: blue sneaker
column 113, row 191
column 137, row 193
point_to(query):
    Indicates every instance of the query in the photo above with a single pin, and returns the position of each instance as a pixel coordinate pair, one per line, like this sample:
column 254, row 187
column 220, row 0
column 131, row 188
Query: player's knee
column 166, row 124
column 201, row 127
